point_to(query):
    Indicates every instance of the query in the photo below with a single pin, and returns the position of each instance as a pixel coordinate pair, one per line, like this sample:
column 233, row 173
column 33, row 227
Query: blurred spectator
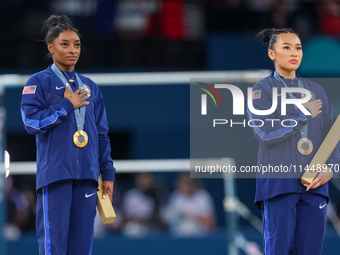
column 176, row 20
column 182, row 20
column 194, row 20
column 104, row 18
column 25, row 185
column 259, row 14
column 330, row 17
column 31, row 197
column 75, row 7
column 226, row 16
column 132, row 17
column 283, row 12
column 172, row 19
column 190, row 210
column 17, row 210
column 305, row 18
column 140, row 207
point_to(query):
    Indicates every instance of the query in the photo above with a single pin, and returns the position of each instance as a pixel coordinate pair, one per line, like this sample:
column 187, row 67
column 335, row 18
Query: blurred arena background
column 143, row 53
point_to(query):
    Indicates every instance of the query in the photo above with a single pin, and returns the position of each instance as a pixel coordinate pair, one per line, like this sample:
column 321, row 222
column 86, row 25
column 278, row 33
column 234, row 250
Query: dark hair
column 55, row 25
column 270, row 35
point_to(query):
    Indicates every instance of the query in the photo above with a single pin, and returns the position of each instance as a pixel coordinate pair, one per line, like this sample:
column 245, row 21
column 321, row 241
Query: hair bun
column 56, row 20
column 266, row 34
column 270, row 35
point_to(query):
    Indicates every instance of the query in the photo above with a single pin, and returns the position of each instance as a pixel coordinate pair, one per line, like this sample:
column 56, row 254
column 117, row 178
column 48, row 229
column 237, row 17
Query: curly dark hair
column 55, row 25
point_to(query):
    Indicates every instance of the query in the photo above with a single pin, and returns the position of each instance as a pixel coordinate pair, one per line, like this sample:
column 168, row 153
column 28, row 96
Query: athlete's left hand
column 108, row 189
column 321, row 179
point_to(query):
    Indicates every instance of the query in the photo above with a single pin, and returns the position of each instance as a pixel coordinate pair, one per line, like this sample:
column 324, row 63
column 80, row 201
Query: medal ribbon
column 80, row 112
column 304, row 129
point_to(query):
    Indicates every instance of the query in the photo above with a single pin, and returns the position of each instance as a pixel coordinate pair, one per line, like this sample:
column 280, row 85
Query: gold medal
column 80, row 138
column 305, row 146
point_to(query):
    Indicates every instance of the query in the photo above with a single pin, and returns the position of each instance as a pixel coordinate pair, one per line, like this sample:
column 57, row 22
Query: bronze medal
column 80, row 138
column 305, row 146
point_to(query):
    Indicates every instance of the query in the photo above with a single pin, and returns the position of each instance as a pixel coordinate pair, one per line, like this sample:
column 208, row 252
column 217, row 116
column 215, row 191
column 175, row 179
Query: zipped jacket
column 50, row 117
column 280, row 165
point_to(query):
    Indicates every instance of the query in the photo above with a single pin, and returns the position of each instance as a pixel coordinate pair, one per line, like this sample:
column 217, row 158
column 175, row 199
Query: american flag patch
column 29, row 90
column 256, row 94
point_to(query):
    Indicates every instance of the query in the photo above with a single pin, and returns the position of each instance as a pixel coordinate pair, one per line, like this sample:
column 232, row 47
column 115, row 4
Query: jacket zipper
column 78, row 170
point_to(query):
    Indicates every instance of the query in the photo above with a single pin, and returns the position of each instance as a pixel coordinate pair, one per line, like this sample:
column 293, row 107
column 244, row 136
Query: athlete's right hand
column 76, row 97
column 313, row 106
